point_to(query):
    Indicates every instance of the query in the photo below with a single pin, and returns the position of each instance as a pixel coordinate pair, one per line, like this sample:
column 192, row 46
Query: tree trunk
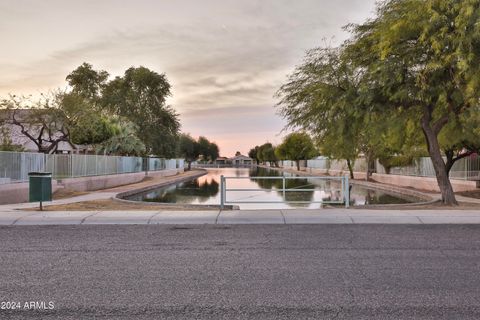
column 298, row 164
column 189, row 165
column 448, row 197
column 368, row 159
column 350, row 168
column 450, row 161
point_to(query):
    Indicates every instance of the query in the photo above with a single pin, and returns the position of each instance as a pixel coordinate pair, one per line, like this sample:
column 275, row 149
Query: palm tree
column 124, row 142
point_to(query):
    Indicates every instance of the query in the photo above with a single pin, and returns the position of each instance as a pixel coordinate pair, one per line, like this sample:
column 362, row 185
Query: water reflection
column 372, row 197
column 198, row 190
column 206, row 190
column 290, row 196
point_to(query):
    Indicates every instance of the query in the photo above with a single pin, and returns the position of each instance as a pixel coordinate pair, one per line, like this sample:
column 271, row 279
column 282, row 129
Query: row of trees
column 264, row 153
column 405, row 83
column 296, row 146
column 126, row 115
column 192, row 150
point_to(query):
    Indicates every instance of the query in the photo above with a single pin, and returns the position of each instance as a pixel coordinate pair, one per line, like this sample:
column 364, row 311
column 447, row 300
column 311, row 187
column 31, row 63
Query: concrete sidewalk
column 298, row 216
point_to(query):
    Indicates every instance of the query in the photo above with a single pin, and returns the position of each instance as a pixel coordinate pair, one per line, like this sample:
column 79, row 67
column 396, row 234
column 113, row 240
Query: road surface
column 240, row 272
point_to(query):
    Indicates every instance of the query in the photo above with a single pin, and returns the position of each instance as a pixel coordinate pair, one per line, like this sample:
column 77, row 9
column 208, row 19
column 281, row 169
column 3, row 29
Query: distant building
column 221, row 160
column 241, row 160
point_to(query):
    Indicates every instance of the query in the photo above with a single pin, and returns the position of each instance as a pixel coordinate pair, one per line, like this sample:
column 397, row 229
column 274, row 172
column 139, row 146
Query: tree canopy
column 191, row 150
column 414, row 65
column 266, row 153
column 253, row 153
column 140, row 96
column 296, row 146
column 423, row 57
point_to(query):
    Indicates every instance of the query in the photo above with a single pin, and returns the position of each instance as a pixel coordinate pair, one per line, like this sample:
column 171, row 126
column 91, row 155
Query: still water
column 206, row 190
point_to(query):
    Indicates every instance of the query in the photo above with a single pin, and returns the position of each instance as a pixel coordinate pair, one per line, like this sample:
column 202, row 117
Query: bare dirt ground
column 428, row 206
column 471, row 194
column 109, row 204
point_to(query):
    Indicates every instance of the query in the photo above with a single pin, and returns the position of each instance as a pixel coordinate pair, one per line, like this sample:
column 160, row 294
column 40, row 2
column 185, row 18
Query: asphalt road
column 242, row 271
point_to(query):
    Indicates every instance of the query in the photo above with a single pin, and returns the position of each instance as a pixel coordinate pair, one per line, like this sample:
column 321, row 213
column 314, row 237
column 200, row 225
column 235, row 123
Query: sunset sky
column 225, row 59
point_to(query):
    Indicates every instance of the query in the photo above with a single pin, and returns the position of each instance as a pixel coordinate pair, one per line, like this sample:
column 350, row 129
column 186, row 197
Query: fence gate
column 343, row 199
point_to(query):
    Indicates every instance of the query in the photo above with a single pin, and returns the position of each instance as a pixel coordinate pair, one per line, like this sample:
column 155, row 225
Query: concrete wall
column 18, row 192
column 420, row 183
column 423, row 183
column 94, row 183
column 358, row 175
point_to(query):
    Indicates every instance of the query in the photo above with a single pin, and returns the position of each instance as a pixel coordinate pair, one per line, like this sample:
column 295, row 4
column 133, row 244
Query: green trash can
column 40, row 187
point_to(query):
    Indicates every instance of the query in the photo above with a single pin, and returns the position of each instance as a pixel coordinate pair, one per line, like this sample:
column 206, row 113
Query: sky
column 225, row 59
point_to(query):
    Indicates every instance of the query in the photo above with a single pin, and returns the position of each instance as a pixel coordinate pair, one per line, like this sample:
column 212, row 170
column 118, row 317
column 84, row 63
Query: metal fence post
column 347, row 193
column 222, row 192
column 283, row 187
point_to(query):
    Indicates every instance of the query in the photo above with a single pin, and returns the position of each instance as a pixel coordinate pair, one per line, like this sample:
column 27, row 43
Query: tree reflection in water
column 373, row 197
column 277, row 184
column 206, row 190
column 198, row 189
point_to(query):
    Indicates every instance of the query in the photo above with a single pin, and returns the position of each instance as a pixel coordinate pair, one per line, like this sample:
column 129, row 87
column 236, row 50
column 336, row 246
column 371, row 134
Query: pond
column 206, row 190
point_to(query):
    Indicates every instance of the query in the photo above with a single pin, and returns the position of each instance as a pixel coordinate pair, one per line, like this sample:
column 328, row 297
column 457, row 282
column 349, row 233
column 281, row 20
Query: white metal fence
column 15, row 166
column 464, row 169
column 343, row 198
column 326, row 164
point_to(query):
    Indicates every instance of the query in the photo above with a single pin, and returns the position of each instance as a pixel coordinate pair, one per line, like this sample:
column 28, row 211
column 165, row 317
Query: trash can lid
column 39, row 174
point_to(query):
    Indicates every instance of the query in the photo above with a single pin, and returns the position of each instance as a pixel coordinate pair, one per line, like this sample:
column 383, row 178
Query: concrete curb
column 322, row 216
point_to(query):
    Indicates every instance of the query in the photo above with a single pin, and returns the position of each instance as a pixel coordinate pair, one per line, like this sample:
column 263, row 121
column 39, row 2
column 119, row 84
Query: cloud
column 225, row 59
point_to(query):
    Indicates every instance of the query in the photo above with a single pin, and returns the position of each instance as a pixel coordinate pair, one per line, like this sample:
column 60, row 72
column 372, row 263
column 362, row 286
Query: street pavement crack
column 90, row 215
column 283, row 217
column 155, row 214
column 218, row 216
column 19, row 218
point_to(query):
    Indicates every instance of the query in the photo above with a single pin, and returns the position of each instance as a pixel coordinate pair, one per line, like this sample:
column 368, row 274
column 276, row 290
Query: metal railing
column 343, row 199
column 15, row 166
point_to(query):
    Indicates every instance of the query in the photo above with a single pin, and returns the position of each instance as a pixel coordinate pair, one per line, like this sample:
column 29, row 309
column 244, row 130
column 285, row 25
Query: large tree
column 55, row 118
column 43, row 122
column 424, row 57
column 321, row 97
column 140, row 96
